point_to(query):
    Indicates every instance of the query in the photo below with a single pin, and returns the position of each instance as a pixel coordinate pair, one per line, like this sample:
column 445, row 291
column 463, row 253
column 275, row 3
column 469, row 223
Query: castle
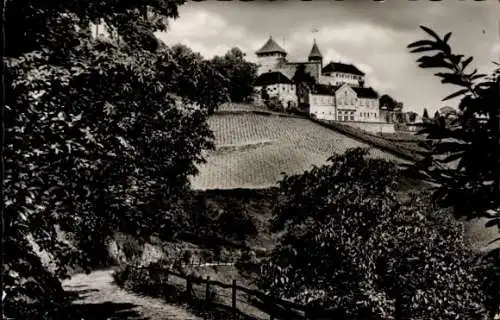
column 336, row 91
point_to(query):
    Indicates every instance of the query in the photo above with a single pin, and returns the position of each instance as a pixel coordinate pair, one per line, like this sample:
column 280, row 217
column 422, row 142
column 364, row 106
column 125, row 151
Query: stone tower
column 270, row 56
column 315, row 55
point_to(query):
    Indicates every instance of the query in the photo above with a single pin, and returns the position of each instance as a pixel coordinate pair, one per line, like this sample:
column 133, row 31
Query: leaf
column 422, row 43
column 477, row 76
column 422, row 49
column 431, row 32
column 453, row 157
column 492, row 223
column 466, row 62
column 447, row 37
column 456, row 94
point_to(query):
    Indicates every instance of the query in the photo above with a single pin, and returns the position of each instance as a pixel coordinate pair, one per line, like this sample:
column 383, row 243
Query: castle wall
column 268, row 63
column 339, row 78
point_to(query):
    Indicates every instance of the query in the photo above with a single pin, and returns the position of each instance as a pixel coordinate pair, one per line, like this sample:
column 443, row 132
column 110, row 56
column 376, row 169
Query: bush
column 237, row 224
column 349, row 245
column 274, row 104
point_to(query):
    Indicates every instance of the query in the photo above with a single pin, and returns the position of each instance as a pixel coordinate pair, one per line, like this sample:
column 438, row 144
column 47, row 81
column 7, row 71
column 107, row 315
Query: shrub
column 349, row 245
column 274, row 104
column 236, row 224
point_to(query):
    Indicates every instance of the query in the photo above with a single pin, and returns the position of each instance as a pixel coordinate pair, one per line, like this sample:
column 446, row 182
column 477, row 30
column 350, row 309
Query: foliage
column 227, row 220
column 350, row 246
column 303, row 82
column 264, row 94
column 274, row 103
column 197, row 79
column 95, row 141
column 389, row 102
column 472, row 139
column 302, row 76
column 412, row 116
column 425, row 115
column 240, row 73
column 465, row 157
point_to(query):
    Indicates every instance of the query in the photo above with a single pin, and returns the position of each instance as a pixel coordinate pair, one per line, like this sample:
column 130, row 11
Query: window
column 352, row 116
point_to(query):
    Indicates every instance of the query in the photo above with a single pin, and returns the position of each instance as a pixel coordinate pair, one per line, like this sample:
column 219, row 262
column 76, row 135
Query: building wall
column 268, row 63
column 322, row 106
column 289, row 69
column 372, row 126
column 368, row 110
column 346, row 103
column 285, row 92
column 339, row 78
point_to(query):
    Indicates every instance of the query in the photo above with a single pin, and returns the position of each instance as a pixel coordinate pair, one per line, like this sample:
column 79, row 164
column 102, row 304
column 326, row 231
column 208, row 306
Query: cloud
column 495, row 50
column 206, row 32
column 371, row 35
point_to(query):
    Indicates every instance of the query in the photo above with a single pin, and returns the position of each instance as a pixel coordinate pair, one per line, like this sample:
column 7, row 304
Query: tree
column 425, row 115
column 264, row 94
column 465, row 154
column 437, row 115
column 95, row 141
column 412, row 116
column 240, row 73
column 351, row 247
column 197, row 79
column 387, row 101
column 304, row 81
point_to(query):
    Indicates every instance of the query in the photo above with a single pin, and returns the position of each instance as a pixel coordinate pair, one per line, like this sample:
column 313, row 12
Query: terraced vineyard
column 253, row 150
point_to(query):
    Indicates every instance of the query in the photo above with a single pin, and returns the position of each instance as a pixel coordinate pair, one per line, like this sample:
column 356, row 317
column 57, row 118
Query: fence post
column 234, row 300
column 189, row 287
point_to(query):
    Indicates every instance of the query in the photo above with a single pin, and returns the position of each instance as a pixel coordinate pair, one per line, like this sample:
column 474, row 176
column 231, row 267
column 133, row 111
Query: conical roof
column 315, row 53
column 271, row 47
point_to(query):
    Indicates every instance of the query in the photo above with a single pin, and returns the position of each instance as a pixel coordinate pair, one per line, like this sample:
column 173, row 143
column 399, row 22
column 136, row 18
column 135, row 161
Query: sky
column 371, row 35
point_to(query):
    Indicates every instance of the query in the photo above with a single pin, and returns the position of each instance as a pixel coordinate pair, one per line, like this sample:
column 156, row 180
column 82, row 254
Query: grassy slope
column 254, row 150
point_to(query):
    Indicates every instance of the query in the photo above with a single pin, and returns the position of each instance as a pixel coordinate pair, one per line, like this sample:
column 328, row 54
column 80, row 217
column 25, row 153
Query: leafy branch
column 465, row 149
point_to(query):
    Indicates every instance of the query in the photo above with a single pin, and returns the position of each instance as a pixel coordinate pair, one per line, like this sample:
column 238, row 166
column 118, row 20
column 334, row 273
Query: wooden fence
column 269, row 307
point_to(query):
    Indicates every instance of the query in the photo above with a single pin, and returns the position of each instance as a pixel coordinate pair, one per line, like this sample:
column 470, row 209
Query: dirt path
column 100, row 298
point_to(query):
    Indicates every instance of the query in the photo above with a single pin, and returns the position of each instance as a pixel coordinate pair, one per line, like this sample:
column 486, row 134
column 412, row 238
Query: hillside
column 254, row 149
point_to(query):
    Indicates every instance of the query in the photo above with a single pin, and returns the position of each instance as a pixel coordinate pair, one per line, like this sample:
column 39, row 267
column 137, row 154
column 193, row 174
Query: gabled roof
column 342, row 67
column 365, row 92
column 324, row 89
column 315, row 53
column 446, row 110
column 271, row 47
column 270, row 78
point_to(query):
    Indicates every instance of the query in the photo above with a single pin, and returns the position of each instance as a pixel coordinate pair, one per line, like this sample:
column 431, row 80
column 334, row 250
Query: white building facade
column 322, row 106
column 277, row 85
column 338, row 92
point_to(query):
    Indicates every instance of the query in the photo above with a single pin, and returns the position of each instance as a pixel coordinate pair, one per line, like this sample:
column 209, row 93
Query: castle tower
column 270, row 56
column 315, row 55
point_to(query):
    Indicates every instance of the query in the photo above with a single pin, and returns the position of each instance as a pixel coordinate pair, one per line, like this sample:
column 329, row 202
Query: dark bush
column 274, row 104
column 351, row 246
